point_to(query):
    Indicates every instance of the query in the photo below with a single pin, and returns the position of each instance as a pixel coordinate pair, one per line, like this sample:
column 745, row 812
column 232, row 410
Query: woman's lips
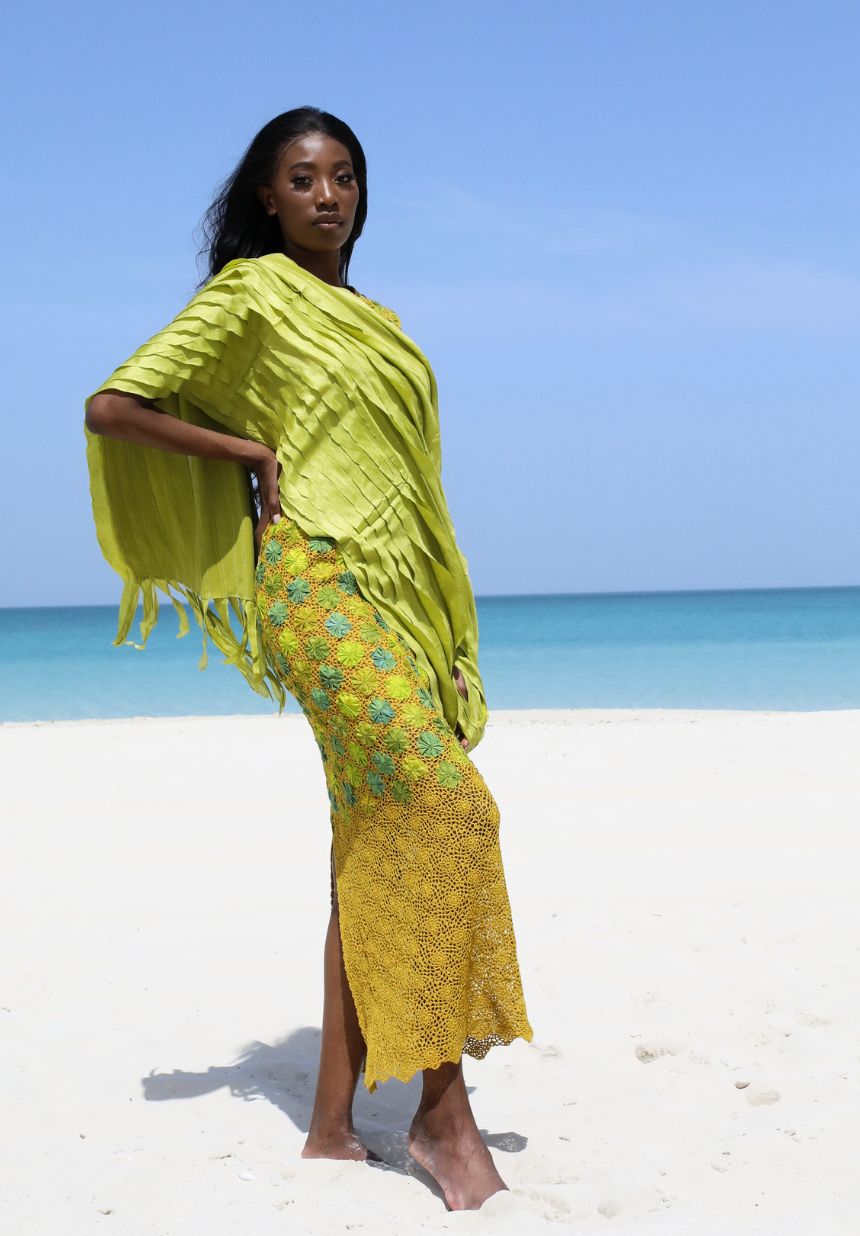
column 328, row 223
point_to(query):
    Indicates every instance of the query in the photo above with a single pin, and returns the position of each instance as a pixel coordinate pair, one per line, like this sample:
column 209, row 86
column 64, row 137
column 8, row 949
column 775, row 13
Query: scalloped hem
column 477, row 1049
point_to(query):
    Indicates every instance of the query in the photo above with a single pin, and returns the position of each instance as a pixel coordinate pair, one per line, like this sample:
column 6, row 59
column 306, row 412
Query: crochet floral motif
column 425, row 921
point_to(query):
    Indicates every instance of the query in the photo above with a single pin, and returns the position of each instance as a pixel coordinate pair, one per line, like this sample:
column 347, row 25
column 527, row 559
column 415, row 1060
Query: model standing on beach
column 342, row 566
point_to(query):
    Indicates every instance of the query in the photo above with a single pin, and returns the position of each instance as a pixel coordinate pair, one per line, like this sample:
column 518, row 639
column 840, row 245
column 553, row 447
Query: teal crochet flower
column 338, row 624
column 278, row 612
column 377, row 785
column 401, row 791
column 328, row 597
column 425, row 697
column 380, row 710
column 380, row 621
column 331, row 676
column 347, row 583
column 320, row 544
column 298, row 590
column 429, row 744
column 349, row 794
column 448, row 774
column 383, row 762
column 383, row 659
column 272, row 552
column 320, row 698
column 259, row 571
column 282, row 663
column 337, row 746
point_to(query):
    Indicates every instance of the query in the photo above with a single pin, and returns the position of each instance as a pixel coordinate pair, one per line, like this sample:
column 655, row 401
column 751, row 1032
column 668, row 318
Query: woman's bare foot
column 335, row 1144
column 445, row 1140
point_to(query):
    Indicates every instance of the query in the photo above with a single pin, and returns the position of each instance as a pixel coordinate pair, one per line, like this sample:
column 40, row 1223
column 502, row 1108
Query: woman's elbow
column 100, row 413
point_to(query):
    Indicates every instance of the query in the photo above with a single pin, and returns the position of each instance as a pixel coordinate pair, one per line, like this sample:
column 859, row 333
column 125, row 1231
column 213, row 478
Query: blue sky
column 624, row 233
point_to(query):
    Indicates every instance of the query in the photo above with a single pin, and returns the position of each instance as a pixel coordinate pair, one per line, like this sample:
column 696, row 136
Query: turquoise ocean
column 775, row 648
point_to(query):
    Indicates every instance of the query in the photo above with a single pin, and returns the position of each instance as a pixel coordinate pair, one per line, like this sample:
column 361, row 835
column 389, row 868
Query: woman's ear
column 264, row 193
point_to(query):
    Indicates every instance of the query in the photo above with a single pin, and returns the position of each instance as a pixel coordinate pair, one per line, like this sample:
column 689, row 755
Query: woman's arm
column 118, row 414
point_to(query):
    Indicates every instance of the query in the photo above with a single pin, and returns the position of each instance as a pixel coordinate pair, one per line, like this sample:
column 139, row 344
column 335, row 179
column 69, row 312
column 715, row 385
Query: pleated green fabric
column 267, row 351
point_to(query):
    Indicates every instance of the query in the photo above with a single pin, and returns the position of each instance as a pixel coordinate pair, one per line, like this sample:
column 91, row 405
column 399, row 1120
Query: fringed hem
column 248, row 653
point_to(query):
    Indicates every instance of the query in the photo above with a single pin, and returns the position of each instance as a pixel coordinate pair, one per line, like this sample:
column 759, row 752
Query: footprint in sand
column 812, row 1019
column 761, row 1098
column 646, row 1052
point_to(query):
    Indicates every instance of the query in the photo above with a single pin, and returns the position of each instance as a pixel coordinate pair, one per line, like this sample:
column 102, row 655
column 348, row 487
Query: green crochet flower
column 320, row 698
column 383, row 762
column 288, row 642
column 282, row 663
column 377, row 785
column 383, row 659
column 338, row 624
column 337, row 746
column 304, row 621
column 320, row 544
column 397, row 687
column 350, row 705
column 272, row 552
column 366, row 733
column 328, row 597
column 317, row 647
column 260, row 571
column 350, row 652
column 357, row 754
column 448, row 774
column 413, row 768
column 278, row 613
column 380, row 710
column 413, row 714
column 273, row 586
column 298, row 590
column 430, row 744
column 425, row 697
column 396, row 740
column 368, row 632
column 295, row 561
column 347, row 583
column 331, row 676
column 339, row 725
column 401, row 792
column 366, row 680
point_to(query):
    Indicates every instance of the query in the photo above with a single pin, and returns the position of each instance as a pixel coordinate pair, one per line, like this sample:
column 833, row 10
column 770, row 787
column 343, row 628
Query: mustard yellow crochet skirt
column 425, row 921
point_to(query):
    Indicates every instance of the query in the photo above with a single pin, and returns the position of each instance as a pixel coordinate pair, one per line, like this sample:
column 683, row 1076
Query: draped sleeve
column 182, row 523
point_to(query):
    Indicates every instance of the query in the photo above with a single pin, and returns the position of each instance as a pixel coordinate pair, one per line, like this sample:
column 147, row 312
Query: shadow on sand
column 284, row 1074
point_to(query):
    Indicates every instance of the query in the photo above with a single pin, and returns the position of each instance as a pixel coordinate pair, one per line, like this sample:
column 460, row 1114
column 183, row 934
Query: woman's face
column 314, row 184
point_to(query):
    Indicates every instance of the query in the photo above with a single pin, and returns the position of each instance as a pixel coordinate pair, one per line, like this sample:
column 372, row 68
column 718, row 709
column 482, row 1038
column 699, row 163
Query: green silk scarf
column 348, row 402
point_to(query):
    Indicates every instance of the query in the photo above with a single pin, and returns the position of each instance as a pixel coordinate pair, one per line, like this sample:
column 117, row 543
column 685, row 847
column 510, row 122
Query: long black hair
column 237, row 225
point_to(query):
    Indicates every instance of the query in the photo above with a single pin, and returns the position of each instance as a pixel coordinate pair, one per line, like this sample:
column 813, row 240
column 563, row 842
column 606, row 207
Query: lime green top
column 348, row 402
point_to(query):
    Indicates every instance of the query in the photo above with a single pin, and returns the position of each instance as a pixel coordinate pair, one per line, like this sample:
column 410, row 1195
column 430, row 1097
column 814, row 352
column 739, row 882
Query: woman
column 343, row 569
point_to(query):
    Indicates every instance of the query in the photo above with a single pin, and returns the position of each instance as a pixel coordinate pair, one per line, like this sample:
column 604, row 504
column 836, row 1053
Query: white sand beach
column 684, row 889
